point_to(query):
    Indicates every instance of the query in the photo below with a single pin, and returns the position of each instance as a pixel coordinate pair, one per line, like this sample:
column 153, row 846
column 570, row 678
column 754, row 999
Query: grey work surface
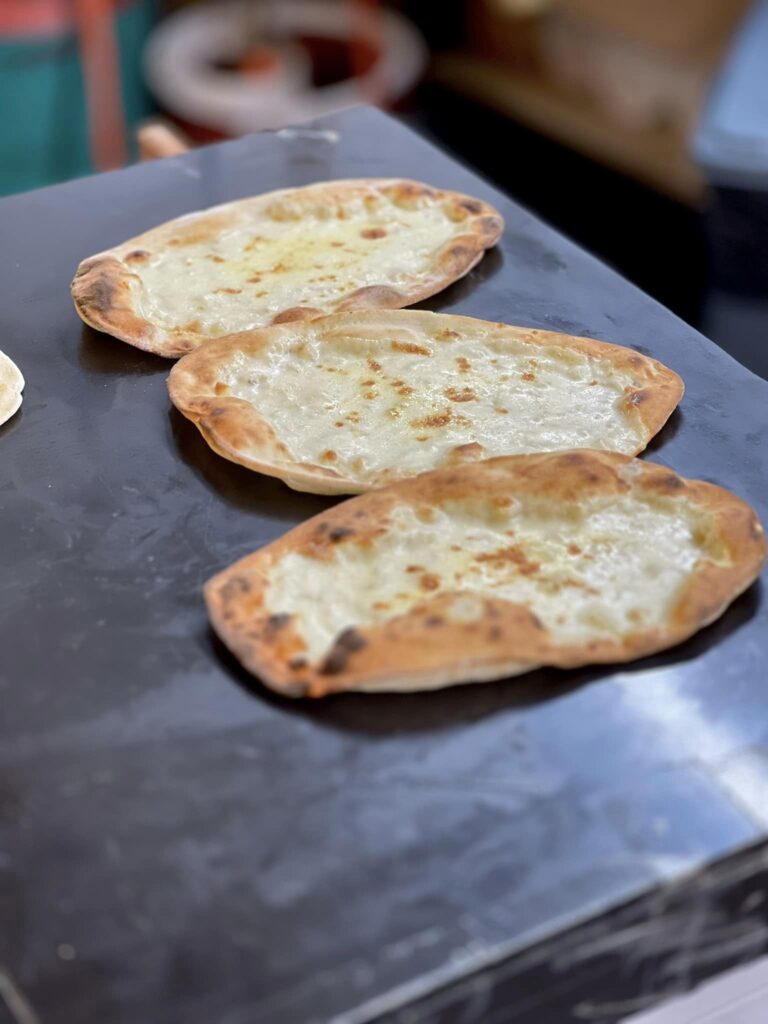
column 178, row 845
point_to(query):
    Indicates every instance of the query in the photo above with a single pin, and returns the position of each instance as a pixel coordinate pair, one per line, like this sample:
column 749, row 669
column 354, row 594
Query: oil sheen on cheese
column 395, row 402
column 602, row 570
column 253, row 265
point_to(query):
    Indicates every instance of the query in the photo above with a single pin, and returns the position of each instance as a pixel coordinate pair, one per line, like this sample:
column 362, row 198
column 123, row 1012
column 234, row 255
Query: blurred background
column 638, row 127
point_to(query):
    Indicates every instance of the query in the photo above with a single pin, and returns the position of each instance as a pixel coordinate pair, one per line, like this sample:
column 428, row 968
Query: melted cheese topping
column 401, row 402
column 604, row 571
column 266, row 260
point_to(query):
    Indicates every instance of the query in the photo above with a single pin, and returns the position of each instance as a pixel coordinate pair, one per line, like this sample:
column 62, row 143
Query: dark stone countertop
column 176, row 845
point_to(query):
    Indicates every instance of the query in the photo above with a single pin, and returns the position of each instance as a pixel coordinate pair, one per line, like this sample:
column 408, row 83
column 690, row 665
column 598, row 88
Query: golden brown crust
column 289, row 316
column 427, row 647
column 101, row 293
column 102, row 289
column 376, row 296
column 235, row 428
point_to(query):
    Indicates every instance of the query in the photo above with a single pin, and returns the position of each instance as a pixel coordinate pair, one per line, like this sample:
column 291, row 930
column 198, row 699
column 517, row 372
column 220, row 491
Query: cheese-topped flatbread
column 288, row 255
column 11, row 386
column 358, row 400
column 487, row 571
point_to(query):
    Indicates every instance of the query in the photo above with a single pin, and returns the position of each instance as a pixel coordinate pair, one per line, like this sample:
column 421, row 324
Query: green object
column 45, row 130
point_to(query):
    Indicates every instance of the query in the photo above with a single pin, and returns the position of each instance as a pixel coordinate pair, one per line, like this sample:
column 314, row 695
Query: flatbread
column 486, row 571
column 288, row 255
column 11, row 386
column 358, row 400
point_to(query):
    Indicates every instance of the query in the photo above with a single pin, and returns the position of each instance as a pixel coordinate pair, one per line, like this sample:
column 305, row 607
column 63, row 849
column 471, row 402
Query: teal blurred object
column 44, row 125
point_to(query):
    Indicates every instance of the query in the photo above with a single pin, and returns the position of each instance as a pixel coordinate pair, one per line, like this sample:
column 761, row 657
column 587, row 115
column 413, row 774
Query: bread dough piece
column 358, row 400
column 288, row 255
column 11, row 386
column 486, row 571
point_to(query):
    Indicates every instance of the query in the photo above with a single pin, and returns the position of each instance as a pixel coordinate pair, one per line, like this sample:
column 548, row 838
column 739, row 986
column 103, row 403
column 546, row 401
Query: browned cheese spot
column 256, row 279
column 368, row 383
column 329, row 455
column 253, row 243
column 369, row 395
column 514, row 555
column 373, row 233
column 339, row 423
column 429, row 581
column 422, row 437
column 573, row 549
column 501, row 411
column 463, row 364
column 414, row 568
column 373, row 365
column 528, row 377
column 576, row 585
column 353, row 417
column 460, row 394
column 438, row 419
column 337, row 245
column 411, row 348
column 446, row 335
column 220, row 388
column 138, row 256
column 203, row 229
column 227, row 291
column 339, row 533
column 214, row 258
column 425, row 514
